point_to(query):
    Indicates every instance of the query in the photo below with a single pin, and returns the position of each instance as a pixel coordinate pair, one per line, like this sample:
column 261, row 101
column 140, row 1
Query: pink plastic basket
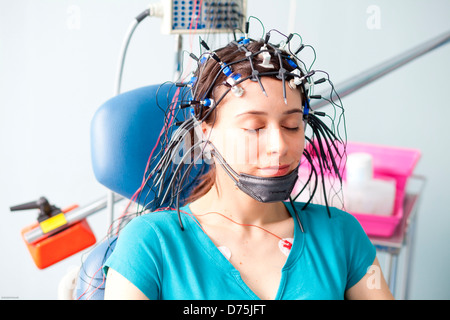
column 388, row 162
column 392, row 162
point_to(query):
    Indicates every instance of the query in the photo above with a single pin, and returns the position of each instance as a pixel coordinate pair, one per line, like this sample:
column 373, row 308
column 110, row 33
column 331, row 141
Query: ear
column 206, row 129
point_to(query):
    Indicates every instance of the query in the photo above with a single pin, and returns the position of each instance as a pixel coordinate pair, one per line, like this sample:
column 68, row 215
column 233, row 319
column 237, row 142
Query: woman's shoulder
column 320, row 216
column 320, row 211
column 157, row 221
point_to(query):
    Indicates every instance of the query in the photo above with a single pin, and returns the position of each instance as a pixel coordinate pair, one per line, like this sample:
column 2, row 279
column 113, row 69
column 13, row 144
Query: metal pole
column 73, row 217
column 374, row 73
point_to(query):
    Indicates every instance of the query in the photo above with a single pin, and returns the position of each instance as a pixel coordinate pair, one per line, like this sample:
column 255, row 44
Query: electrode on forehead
column 232, row 80
column 265, row 56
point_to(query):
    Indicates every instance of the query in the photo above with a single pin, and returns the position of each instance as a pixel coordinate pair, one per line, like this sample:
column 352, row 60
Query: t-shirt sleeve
column 360, row 252
column 137, row 257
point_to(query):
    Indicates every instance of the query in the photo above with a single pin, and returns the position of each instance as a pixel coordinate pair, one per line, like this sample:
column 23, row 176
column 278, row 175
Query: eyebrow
column 254, row 112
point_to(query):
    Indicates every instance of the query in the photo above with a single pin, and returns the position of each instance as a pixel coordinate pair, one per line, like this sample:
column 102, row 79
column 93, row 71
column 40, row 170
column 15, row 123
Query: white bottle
column 363, row 193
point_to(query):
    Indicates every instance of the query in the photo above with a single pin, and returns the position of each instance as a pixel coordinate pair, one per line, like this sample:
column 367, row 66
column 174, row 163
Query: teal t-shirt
column 164, row 262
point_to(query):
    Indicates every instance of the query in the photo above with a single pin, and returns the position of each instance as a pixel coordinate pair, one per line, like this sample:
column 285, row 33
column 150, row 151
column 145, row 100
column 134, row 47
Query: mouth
column 275, row 171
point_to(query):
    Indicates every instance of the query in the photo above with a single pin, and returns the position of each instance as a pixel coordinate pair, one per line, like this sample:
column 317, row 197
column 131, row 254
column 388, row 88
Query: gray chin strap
column 262, row 189
column 268, row 189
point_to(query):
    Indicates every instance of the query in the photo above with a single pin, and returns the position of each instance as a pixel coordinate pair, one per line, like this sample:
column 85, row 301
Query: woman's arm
column 372, row 286
column 117, row 287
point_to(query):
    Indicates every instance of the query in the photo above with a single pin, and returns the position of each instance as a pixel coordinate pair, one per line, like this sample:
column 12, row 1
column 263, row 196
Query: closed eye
column 254, row 131
column 257, row 130
column 292, row 129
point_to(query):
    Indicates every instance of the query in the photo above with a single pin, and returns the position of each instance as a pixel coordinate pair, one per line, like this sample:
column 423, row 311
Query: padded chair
column 124, row 131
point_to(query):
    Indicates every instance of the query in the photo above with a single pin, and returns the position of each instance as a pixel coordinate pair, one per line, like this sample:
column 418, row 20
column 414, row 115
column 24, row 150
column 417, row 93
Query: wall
column 58, row 62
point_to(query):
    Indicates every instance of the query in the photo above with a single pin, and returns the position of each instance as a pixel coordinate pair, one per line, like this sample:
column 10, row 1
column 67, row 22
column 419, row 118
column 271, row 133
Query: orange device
column 56, row 235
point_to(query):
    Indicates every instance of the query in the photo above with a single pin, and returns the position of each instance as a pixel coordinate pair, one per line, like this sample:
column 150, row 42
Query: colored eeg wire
column 317, row 126
column 162, row 138
column 166, row 180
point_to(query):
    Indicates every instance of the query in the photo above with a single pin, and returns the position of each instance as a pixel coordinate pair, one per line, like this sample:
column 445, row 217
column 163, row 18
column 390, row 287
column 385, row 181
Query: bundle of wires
column 170, row 175
column 178, row 159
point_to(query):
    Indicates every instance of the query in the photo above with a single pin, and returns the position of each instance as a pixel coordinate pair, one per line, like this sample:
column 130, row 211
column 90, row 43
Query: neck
column 226, row 198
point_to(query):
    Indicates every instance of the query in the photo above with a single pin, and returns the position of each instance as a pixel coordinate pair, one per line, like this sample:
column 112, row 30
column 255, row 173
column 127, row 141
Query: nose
column 275, row 142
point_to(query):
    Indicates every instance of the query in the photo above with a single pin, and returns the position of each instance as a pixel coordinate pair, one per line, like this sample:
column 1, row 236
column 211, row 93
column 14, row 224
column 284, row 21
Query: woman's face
column 257, row 134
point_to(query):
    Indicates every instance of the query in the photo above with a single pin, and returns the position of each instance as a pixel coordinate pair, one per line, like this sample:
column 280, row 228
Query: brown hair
column 210, row 77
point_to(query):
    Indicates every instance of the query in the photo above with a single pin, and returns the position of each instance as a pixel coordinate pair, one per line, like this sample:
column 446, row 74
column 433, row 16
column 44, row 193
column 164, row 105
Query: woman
column 239, row 238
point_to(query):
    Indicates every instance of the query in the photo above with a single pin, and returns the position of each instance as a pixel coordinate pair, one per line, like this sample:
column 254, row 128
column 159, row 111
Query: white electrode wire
column 123, row 53
column 182, row 162
column 110, row 194
column 292, row 14
column 153, row 10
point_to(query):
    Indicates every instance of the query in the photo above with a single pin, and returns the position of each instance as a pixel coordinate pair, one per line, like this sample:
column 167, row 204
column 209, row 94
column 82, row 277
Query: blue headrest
column 124, row 130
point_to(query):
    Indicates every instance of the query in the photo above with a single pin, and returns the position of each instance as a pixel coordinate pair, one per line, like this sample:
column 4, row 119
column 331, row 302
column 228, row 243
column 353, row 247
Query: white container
column 363, row 193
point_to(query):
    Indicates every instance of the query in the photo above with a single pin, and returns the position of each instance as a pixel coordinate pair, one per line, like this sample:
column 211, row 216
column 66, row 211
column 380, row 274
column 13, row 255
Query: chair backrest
column 124, row 131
